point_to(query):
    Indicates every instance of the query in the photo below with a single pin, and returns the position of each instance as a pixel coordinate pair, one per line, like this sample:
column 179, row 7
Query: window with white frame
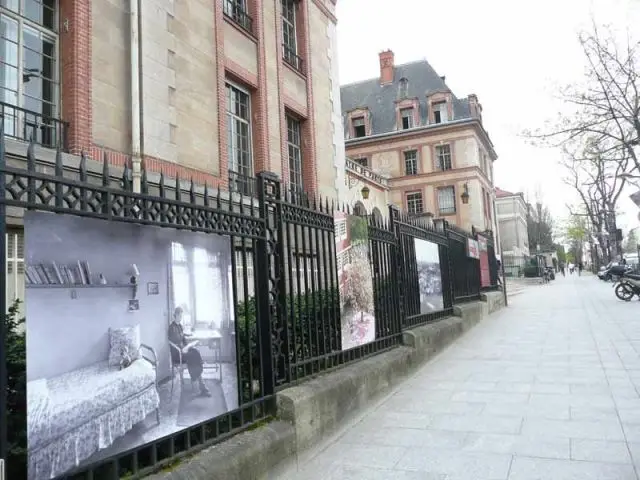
column 294, row 146
column 414, row 202
column 239, row 136
column 406, row 116
column 446, row 200
column 29, row 68
column 15, row 265
column 440, row 112
column 289, row 34
column 341, row 230
column 411, row 162
column 199, row 286
column 443, row 157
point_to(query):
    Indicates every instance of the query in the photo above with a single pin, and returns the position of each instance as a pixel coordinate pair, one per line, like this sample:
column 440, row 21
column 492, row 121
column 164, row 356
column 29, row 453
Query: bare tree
column 595, row 177
column 607, row 105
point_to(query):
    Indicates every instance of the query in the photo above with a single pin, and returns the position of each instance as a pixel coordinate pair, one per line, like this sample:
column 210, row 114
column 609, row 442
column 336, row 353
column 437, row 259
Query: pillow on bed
column 125, row 339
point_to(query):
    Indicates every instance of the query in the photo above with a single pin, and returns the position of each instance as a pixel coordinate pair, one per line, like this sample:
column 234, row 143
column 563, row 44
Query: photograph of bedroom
column 130, row 337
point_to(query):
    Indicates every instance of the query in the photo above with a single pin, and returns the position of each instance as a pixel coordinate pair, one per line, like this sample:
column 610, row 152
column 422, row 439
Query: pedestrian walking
column 580, row 266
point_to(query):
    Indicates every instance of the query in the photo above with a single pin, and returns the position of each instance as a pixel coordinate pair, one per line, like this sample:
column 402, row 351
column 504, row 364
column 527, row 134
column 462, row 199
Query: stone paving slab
column 547, row 389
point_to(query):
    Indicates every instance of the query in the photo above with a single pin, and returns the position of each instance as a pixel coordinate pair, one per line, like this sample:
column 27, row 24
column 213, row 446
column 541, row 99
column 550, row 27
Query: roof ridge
column 413, row 62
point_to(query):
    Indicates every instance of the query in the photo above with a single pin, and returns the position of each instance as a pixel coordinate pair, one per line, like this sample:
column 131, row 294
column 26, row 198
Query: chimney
column 475, row 107
column 386, row 67
column 443, row 78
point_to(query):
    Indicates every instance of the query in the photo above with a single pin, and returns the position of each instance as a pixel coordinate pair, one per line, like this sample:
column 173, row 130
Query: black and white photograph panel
column 429, row 276
column 112, row 362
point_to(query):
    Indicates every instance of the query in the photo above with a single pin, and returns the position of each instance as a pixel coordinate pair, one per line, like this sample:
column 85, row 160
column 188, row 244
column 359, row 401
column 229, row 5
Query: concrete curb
column 311, row 412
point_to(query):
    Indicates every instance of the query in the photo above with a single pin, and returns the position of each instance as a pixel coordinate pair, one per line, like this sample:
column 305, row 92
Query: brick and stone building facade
column 215, row 91
column 200, row 89
column 511, row 213
column 408, row 126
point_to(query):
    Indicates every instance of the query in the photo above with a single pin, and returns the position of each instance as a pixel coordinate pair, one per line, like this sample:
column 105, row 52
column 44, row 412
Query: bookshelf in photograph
column 55, row 275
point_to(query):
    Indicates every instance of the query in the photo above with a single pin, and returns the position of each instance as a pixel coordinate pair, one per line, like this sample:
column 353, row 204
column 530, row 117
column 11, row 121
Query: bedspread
column 72, row 416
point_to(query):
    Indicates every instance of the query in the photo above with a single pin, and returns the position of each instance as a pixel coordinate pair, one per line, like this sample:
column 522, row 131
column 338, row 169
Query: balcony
column 242, row 184
column 290, row 56
column 236, row 12
column 26, row 125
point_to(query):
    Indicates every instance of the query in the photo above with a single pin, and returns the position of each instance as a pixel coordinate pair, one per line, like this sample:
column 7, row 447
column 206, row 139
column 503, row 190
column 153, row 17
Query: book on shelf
column 57, row 274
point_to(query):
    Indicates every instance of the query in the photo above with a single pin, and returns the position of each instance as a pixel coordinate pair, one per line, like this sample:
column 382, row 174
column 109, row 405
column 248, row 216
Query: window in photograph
column 29, row 69
column 443, row 157
column 411, row 162
column 446, row 201
column 414, row 203
column 181, row 283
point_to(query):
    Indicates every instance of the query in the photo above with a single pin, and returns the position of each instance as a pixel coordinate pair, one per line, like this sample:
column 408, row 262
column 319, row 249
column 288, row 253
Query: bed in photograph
column 72, row 416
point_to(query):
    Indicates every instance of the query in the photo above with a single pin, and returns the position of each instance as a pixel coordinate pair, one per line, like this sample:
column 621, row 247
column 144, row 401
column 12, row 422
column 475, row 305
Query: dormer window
column 359, row 128
column 406, row 117
column 440, row 112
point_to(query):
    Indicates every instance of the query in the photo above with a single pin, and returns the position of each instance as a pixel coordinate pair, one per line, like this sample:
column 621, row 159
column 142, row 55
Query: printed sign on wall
column 104, row 377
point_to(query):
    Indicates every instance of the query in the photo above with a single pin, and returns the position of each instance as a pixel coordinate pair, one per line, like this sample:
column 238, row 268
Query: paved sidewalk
column 546, row 389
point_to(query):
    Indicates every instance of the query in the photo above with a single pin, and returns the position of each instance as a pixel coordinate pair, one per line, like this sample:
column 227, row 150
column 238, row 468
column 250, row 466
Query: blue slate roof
column 380, row 99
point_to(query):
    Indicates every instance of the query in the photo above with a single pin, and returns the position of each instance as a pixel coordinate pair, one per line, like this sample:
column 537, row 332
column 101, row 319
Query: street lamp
column 365, row 192
column 465, row 194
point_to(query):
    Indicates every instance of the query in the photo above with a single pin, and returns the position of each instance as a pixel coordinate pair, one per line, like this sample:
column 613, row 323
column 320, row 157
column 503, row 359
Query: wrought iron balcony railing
column 290, row 56
column 242, row 184
column 26, row 125
column 237, row 12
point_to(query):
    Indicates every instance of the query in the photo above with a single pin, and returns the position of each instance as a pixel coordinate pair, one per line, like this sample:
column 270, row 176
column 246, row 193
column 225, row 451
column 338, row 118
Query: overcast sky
column 513, row 54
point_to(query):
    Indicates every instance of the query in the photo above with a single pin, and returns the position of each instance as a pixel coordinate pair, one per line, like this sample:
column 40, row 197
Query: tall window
column 406, row 115
column 443, row 157
column 446, row 200
column 414, row 202
column 239, row 138
column 294, row 145
column 411, row 162
column 289, row 34
column 29, row 68
column 403, row 88
column 440, row 112
column 15, row 265
column 199, row 285
column 236, row 10
column 359, row 129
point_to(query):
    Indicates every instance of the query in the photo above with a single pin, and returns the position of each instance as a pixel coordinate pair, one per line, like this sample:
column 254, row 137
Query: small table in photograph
column 211, row 339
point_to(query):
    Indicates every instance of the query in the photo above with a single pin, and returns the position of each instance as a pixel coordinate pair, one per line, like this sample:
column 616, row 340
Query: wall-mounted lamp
column 365, row 192
column 465, row 194
column 133, row 279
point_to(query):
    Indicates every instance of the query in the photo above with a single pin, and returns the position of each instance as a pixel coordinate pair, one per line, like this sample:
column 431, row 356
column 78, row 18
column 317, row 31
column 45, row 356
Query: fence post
column 450, row 273
column 3, row 301
column 272, row 326
column 398, row 259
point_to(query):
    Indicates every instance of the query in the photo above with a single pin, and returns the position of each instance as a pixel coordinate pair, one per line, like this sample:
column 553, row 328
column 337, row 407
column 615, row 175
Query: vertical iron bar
column 297, row 297
column 295, row 334
column 312, row 345
column 316, row 281
column 264, row 314
column 397, row 260
column 3, row 301
column 336, row 323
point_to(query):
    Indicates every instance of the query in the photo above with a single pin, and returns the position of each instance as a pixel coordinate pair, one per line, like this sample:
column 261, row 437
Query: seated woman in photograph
column 190, row 355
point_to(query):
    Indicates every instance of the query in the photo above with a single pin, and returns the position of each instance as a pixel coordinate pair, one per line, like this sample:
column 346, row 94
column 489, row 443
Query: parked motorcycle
column 628, row 286
column 614, row 271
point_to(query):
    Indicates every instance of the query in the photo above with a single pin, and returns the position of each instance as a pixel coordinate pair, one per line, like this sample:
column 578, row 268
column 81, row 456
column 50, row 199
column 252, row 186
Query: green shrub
column 313, row 321
column 16, row 466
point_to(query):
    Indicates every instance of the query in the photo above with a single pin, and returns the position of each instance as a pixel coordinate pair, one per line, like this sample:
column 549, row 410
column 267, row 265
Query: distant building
column 511, row 209
column 428, row 145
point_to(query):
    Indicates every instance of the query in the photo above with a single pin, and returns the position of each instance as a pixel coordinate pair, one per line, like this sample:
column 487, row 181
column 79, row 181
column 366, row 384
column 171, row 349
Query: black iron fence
column 284, row 287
